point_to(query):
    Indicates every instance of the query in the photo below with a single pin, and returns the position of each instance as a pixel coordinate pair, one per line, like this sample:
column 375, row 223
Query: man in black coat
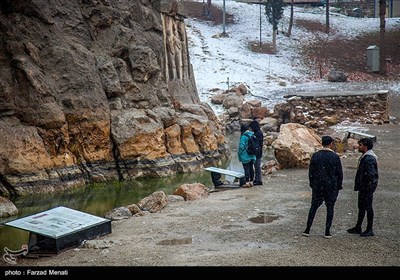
column 326, row 176
column 365, row 183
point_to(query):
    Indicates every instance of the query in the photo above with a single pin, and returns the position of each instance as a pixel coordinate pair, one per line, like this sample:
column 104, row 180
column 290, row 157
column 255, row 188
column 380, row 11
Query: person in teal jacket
column 246, row 159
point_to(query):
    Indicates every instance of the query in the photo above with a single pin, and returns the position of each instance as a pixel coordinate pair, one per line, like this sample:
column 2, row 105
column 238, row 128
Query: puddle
column 264, row 218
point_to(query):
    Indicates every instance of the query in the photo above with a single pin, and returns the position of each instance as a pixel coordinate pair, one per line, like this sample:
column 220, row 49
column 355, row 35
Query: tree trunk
column 327, row 28
column 273, row 40
column 208, row 10
column 382, row 47
column 289, row 32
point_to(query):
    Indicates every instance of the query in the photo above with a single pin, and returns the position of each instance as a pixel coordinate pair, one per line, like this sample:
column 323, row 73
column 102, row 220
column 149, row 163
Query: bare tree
column 382, row 57
column 319, row 52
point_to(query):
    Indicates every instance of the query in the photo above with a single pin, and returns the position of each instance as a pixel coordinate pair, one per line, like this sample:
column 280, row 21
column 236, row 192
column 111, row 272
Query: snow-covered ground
column 222, row 62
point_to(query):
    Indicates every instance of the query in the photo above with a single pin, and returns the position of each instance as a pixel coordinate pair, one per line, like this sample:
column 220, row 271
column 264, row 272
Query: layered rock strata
column 98, row 90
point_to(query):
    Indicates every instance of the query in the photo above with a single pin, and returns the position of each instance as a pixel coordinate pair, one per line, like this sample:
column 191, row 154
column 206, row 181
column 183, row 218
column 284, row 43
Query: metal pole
column 260, row 24
column 223, row 19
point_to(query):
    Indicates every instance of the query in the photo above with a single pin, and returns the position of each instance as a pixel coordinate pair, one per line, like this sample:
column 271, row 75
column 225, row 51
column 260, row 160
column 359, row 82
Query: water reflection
column 97, row 199
column 94, row 199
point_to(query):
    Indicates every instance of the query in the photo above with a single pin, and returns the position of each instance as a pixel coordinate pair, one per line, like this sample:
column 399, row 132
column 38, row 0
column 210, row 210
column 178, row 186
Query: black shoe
column 355, row 230
column 217, row 184
column 367, row 233
column 305, row 233
column 257, row 183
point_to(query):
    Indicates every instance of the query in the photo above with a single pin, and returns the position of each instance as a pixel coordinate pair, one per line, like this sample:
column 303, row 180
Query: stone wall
column 323, row 109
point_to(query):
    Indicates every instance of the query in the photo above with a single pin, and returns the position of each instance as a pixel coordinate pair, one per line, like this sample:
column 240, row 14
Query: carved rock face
column 87, row 85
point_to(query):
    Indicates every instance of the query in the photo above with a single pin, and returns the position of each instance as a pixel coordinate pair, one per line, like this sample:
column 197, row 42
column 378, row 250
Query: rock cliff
column 95, row 90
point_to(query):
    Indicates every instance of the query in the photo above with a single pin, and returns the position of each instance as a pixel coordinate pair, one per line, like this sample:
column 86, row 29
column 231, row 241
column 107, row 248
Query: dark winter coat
column 260, row 137
column 325, row 172
column 367, row 173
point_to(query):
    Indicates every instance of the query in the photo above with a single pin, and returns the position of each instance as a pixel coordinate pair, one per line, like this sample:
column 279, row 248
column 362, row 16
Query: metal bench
column 225, row 172
column 354, row 134
column 216, row 176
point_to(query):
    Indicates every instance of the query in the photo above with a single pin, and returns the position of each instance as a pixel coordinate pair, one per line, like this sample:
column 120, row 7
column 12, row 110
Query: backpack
column 253, row 146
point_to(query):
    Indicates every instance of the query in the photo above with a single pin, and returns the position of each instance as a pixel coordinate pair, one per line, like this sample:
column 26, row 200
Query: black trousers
column 216, row 179
column 318, row 197
column 365, row 200
column 249, row 171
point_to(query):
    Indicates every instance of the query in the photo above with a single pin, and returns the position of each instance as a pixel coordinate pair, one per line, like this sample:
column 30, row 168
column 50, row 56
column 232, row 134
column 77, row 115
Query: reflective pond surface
column 97, row 199
column 94, row 199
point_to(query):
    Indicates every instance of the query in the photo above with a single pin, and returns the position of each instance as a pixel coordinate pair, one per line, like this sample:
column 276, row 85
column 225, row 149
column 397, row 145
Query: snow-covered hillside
column 221, row 62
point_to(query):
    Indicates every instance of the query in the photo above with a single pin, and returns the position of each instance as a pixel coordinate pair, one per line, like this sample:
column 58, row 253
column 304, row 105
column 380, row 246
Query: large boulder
column 295, row 145
column 192, row 191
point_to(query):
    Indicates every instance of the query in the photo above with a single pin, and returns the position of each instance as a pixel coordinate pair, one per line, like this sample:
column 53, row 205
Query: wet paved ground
column 225, row 229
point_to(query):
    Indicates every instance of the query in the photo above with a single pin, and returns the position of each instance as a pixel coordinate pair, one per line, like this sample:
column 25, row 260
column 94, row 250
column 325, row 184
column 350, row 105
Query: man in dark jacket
column 326, row 177
column 365, row 183
column 255, row 127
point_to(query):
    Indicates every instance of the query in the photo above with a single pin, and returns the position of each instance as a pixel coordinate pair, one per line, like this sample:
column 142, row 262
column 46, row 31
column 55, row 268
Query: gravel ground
column 259, row 226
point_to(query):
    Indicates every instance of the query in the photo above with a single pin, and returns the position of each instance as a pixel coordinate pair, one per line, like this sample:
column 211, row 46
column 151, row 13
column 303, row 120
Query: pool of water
column 94, row 199
column 97, row 199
